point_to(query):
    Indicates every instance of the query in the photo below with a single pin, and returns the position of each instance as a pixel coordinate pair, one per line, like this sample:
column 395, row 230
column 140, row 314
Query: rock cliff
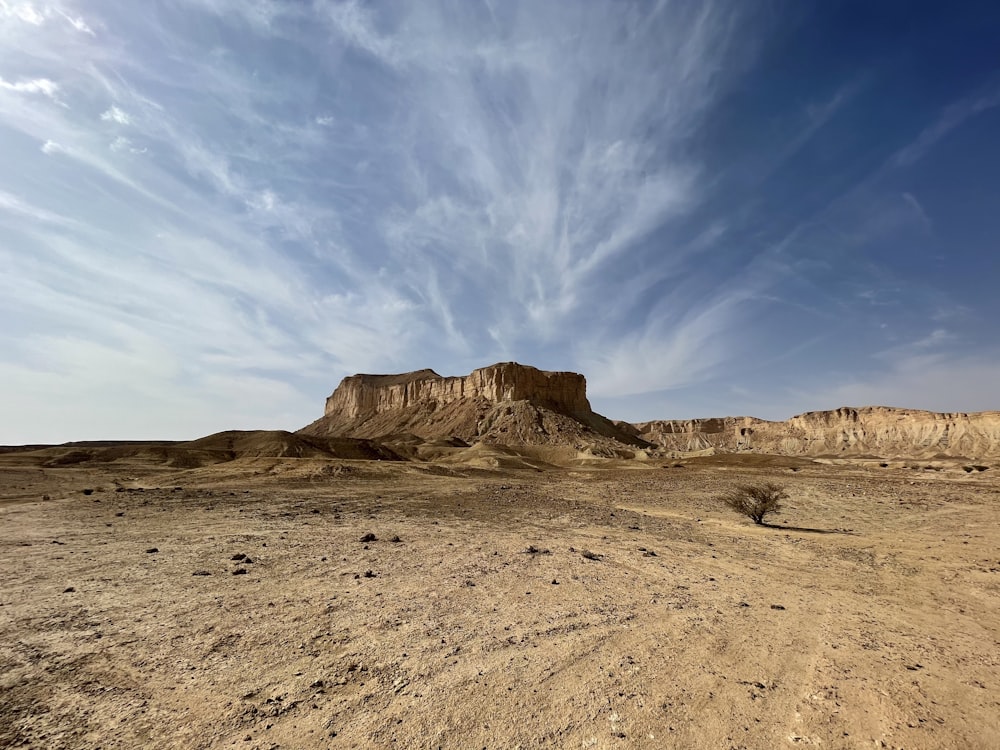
column 504, row 403
column 509, row 403
column 876, row 431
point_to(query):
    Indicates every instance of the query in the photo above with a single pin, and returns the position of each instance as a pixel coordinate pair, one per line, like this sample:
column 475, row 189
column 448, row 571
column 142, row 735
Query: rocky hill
column 513, row 404
column 876, row 431
column 506, row 403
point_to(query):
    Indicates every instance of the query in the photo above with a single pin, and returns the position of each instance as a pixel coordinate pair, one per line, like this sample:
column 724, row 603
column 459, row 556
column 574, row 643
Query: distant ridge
column 878, row 431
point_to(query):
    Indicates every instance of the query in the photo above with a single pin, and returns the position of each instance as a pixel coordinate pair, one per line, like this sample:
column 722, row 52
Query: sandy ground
column 871, row 619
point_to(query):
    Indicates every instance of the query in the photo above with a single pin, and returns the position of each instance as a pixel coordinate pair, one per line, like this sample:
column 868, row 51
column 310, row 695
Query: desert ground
column 503, row 603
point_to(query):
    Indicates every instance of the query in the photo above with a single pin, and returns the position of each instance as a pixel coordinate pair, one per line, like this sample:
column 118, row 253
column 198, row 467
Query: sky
column 211, row 211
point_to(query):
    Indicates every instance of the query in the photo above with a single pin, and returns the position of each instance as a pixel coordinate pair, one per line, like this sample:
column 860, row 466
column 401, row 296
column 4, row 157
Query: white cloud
column 32, row 86
column 444, row 185
column 114, row 114
column 121, row 143
column 25, row 12
column 355, row 22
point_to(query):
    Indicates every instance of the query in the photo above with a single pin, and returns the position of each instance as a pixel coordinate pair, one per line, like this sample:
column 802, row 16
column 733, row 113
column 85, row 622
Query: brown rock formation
column 504, row 403
column 877, row 431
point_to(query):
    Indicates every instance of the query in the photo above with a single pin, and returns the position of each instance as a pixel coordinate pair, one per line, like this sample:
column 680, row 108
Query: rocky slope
column 876, row 431
column 506, row 403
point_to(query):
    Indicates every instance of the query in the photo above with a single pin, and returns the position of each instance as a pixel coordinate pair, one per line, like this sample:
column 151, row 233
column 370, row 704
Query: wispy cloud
column 918, row 210
column 78, row 23
column 951, row 118
column 189, row 199
column 17, row 207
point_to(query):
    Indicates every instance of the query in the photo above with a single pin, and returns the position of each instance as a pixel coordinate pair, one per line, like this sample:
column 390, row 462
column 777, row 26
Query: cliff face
column 509, row 403
column 870, row 431
column 503, row 403
column 363, row 395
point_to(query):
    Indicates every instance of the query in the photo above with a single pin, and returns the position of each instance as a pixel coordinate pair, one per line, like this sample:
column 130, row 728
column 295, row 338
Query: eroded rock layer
column 878, row 431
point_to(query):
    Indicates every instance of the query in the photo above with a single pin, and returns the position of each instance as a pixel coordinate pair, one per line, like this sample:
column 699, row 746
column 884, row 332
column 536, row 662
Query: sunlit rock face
column 360, row 395
column 506, row 403
column 872, row 430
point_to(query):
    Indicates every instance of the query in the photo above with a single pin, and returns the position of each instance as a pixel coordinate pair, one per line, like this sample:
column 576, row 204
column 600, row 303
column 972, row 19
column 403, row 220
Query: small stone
column 152, row 551
column 69, row 590
column 240, row 572
column 369, row 537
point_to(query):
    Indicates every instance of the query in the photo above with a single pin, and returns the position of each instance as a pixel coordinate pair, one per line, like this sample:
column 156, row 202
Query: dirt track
column 871, row 620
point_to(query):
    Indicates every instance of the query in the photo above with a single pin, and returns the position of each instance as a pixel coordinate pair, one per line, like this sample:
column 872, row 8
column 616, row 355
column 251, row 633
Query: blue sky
column 213, row 210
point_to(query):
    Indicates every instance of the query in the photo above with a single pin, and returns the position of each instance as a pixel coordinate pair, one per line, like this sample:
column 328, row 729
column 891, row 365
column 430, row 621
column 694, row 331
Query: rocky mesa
column 505, row 403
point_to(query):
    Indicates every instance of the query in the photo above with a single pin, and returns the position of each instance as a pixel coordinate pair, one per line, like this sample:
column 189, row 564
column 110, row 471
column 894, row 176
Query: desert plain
column 484, row 562
column 506, row 601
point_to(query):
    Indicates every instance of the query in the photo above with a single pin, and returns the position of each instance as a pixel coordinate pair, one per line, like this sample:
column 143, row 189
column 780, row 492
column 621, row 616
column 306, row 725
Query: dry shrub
column 755, row 500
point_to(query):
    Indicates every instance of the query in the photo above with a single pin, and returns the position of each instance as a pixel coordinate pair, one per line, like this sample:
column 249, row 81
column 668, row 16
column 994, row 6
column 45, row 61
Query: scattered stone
column 776, row 606
column 119, row 515
column 239, row 556
column 555, row 582
column 87, row 491
column 396, row 540
column 369, row 574
column 591, row 555
column 152, row 551
column 240, row 572
column 369, row 537
column 201, row 573
column 69, row 590
column 744, row 604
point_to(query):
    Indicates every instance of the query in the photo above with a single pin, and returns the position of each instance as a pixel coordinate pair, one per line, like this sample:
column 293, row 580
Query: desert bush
column 755, row 500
